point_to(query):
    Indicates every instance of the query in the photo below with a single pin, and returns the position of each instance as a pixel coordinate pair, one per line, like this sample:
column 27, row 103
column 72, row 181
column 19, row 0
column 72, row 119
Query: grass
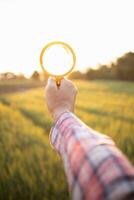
column 30, row 169
column 18, row 85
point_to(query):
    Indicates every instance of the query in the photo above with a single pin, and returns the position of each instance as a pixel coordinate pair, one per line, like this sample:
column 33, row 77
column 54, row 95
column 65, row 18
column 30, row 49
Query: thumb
column 51, row 83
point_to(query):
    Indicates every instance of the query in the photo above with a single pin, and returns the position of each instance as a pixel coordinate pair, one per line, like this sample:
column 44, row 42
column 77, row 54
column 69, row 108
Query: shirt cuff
column 57, row 126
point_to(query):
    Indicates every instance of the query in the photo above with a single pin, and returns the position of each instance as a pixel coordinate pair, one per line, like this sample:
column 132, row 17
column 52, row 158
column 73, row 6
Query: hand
column 60, row 99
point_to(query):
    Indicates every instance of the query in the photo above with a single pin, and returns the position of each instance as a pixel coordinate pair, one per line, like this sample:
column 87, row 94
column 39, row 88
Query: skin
column 62, row 99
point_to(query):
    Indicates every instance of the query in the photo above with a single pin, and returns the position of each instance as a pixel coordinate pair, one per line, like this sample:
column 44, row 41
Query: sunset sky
column 98, row 30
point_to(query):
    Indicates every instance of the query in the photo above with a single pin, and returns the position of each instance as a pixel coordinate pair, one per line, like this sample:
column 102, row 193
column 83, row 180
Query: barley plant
column 29, row 168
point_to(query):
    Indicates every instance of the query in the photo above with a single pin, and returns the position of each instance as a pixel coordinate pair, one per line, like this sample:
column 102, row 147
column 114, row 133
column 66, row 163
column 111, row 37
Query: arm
column 95, row 168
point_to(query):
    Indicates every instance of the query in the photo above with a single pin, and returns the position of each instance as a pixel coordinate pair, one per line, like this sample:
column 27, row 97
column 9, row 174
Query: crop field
column 29, row 168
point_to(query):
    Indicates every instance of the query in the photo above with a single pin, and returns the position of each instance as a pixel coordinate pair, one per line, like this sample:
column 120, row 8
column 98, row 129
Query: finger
column 50, row 80
column 67, row 82
column 51, row 83
column 63, row 83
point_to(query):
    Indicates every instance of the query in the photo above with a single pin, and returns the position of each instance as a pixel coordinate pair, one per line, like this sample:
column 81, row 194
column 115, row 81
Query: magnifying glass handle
column 58, row 81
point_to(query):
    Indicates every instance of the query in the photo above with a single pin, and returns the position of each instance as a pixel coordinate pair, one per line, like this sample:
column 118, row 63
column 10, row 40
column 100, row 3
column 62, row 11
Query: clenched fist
column 60, row 99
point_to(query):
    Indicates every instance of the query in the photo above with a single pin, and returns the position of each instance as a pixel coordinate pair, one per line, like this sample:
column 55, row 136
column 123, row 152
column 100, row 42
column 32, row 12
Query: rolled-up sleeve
column 94, row 166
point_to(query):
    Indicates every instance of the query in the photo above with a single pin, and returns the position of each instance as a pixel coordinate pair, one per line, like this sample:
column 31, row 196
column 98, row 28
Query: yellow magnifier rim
column 64, row 45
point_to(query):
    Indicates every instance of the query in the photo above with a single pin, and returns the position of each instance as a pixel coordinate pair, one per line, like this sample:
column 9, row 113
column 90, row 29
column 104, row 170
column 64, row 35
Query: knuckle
column 50, row 86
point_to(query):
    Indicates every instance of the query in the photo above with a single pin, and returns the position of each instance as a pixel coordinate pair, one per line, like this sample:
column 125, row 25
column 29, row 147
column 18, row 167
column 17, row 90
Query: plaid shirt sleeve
column 95, row 167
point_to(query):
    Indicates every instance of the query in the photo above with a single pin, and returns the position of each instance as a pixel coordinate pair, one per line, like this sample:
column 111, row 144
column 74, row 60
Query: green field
column 29, row 168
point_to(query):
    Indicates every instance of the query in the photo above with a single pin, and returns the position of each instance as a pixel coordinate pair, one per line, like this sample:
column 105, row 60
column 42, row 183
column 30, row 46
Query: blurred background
column 101, row 34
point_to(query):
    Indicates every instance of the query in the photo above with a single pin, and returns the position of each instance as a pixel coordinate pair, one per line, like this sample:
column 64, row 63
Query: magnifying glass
column 57, row 59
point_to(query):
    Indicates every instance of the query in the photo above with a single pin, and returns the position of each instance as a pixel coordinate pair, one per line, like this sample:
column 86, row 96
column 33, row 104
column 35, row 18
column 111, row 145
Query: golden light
column 57, row 59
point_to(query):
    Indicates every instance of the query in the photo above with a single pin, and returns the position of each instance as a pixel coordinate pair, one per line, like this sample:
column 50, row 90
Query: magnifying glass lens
column 57, row 60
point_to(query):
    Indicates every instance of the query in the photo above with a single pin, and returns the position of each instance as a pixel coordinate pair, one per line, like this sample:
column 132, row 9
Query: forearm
column 68, row 127
column 95, row 168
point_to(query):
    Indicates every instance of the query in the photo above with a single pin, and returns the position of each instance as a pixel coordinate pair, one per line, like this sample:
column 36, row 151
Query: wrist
column 58, row 112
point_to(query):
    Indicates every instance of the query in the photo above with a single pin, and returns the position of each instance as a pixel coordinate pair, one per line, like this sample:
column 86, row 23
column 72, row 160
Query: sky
column 99, row 31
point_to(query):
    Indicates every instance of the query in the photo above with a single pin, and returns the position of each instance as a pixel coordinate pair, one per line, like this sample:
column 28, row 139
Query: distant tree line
column 11, row 76
column 121, row 69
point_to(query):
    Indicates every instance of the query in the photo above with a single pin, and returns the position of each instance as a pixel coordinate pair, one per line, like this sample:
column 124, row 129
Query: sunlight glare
column 57, row 60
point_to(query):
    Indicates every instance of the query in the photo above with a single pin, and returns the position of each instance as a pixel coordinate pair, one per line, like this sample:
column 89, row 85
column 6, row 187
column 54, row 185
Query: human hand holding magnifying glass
column 60, row 100
column 57, row 59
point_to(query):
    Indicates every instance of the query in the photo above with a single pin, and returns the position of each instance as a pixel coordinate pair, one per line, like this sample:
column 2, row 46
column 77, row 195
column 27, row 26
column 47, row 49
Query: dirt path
column 18, row 88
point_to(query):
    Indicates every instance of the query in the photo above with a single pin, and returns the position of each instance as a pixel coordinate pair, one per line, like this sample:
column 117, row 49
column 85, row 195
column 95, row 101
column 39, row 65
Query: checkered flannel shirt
column 95, row 167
